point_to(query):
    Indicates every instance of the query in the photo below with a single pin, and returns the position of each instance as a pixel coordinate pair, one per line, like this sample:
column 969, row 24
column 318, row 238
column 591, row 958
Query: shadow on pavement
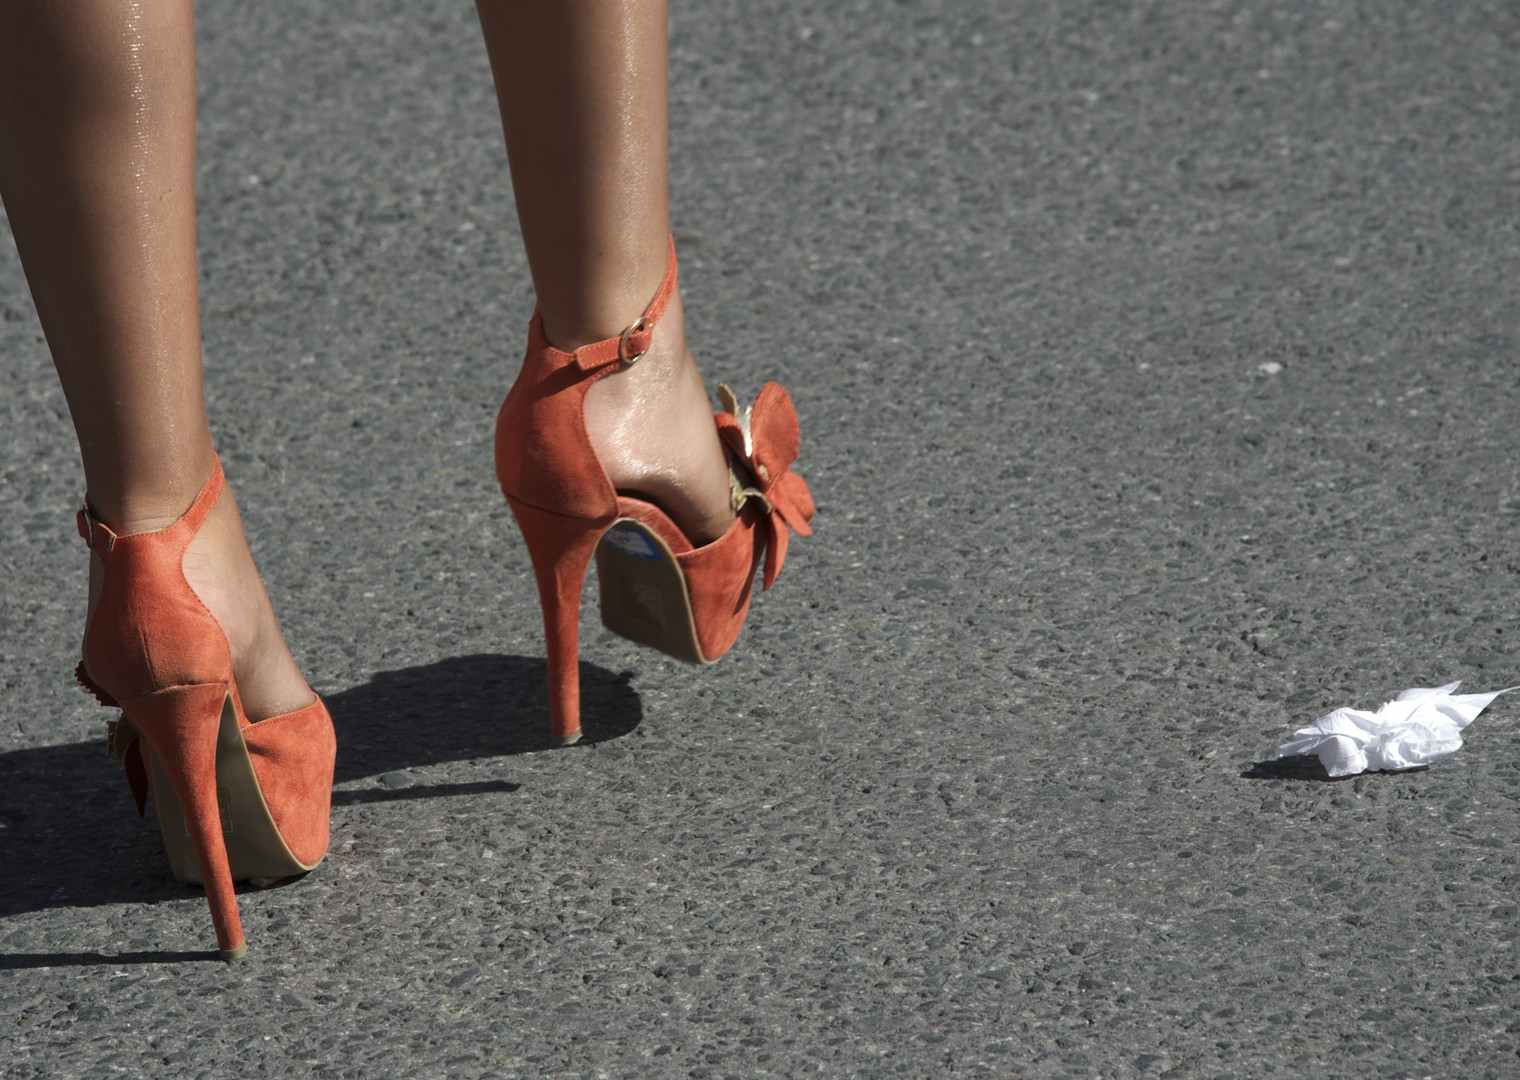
column 357, row 797
column 17, row 961
column 68, row 837
column 467, row 707
column 1303, row 767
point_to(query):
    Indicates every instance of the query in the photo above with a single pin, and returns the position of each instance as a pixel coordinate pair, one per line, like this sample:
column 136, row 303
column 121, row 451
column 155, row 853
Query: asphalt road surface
column 1157, row 366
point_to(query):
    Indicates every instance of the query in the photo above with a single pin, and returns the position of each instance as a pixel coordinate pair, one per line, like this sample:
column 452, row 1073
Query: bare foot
column 652, row 425
column 220, row 569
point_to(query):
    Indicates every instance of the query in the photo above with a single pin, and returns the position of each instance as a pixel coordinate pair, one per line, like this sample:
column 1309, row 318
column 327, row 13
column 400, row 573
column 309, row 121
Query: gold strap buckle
column 638, row 326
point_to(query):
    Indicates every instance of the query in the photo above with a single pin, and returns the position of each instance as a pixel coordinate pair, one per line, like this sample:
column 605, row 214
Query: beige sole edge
column 643, row 592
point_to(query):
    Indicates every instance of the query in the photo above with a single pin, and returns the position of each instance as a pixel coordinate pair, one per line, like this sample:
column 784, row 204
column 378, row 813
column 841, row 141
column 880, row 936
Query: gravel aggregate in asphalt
column 1156, row 368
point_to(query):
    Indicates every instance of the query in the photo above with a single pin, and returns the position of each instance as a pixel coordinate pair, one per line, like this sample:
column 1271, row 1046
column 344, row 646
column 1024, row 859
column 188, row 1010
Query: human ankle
column 128, row 505
column 651, row 425
column 570, row 334
column 594, row 311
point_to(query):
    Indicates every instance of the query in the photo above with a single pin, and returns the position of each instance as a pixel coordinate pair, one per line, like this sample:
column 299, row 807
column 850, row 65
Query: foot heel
column 180, row 726
column 560, row 548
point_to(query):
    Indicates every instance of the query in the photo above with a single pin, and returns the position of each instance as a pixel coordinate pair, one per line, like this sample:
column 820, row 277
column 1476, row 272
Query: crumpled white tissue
column 1413, row 729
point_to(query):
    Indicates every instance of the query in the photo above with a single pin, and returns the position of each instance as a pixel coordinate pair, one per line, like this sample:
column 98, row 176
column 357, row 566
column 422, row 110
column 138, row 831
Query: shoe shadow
column 466, row 707
column 69, row 835
column 1304, row 767
column 19, row 961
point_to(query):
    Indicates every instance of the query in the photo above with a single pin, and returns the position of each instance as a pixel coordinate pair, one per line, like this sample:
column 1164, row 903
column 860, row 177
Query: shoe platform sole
column 255, row 850
column 643, row 592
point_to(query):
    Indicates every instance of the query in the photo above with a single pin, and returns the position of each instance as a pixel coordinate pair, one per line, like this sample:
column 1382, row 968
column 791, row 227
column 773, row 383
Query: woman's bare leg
column 97, row 173
column 582, row 87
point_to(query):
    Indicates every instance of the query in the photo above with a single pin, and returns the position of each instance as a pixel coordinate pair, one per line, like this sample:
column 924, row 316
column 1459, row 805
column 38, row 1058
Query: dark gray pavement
column 1157, row 369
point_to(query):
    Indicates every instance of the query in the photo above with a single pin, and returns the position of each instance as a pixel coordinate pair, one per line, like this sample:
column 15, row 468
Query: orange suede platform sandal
column 235, row 801
column 657, row 588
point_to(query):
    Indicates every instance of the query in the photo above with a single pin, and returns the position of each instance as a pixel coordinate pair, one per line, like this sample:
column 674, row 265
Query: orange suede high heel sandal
column 657, row 588
column 235, row 801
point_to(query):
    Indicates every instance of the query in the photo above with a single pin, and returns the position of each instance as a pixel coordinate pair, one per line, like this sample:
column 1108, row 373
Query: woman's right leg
column 582, row 89
column 97, row 174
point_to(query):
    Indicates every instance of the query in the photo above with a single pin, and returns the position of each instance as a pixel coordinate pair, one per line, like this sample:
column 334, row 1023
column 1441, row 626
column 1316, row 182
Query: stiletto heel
column 560, row 549
column 235, row 801
column 657, row 588
column 181, row 726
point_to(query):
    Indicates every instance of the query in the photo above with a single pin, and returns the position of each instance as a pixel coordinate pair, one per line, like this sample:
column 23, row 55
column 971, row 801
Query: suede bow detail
column 764, row 439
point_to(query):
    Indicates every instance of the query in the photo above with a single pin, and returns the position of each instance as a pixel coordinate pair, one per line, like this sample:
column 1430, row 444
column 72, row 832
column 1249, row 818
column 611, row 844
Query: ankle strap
column 632, row 343
column 97, row 534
